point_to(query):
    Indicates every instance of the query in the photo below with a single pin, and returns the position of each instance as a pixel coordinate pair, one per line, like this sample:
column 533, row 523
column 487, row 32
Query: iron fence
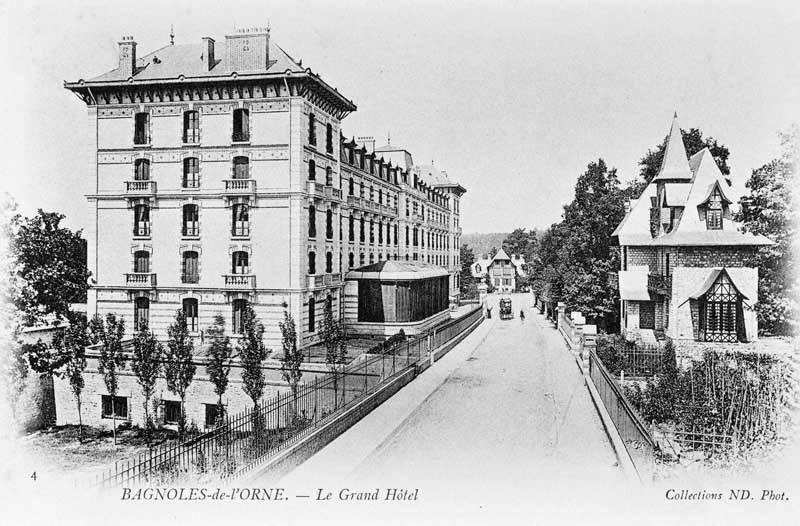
column 248, row 438
column 634, row 433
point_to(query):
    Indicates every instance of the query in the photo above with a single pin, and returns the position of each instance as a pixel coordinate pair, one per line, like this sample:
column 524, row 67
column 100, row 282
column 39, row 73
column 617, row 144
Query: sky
column 512, row 99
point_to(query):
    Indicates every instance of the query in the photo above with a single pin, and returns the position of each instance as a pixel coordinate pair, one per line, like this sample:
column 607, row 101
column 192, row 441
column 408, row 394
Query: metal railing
column 140, row 187
column 632, row 429
column 251, row 437
column 247, row 281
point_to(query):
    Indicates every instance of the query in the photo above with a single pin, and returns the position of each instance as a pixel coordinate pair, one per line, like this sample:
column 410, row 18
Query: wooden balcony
column 140, row 187
column 140, row 279
column 239, row 281
column 240, row 186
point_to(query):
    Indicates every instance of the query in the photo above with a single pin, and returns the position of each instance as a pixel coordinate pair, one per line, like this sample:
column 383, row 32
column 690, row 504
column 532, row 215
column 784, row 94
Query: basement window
column 119, row 408
column 172, row 412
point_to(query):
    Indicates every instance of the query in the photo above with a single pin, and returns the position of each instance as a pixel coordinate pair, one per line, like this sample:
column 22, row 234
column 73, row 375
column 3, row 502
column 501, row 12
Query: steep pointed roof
column 674, row 165
column 501, row 254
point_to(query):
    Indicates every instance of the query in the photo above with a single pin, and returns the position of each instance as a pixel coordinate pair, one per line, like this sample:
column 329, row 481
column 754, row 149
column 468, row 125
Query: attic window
column 714, row 212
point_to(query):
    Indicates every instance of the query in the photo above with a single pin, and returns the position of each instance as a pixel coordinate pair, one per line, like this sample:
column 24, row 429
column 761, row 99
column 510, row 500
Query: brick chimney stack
column 247, row 50
column 127, row 56
column 208, row 52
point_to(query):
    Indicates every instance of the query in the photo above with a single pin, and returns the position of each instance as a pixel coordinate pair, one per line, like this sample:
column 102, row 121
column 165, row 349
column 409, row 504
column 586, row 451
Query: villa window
column 329, row 138
column 191, row 270
column 312, row 130
column 191, row 127
column 351, row 229
column 361, row 230
column 141, row 312
column 371, row 231
column 329, row 224
column 721, row 316
column 714, row 211
column 191, row 172
column 190, row 311
column 241, row 125
column 141, row 134
column 328, row 262
column 212, row 415
column 141, row 220
column 312, row 263
column 351, row 187
column 237, row 318
column 311, row 314
column 191, row 220
column 240, row 262
column 312, row 221
column 380, row 232
column 328, row 176
column 350, row 261
column 241, row 168
column 395, row 235
column 141, row 170
column 141, row 262
column 361, row 190
column 172, row 411
column 241, row 220
column 312, row 170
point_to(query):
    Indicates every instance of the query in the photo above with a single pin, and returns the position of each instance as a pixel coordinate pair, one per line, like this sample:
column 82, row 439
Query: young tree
column 252, row 354
column 111, row 360
column 292, row 359
column 73, row 342
column 332, row 335
column 146, row 365
column 467, row 258
column 219, row 365
column 51, row 261
column 179, row 367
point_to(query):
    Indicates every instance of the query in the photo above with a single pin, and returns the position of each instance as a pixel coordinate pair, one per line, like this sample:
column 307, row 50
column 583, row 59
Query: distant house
column 501, row 270
column 685, row 264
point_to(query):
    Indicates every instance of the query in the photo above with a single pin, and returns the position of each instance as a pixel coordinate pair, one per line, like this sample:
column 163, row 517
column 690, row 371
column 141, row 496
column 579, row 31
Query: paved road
column 503, row 421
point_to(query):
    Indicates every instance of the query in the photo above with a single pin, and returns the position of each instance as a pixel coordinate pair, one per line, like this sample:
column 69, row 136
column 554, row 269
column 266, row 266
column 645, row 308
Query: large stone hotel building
column 221, row 176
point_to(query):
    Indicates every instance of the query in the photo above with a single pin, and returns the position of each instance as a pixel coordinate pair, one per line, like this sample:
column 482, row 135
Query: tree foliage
column 146, row 365
column 252, row 354
column 292, row 359
column 524, row 243
column 467, row 258
column 179, row 366
column 112, row 357
column 219, row 359
column 72, row 342
column 50, row 265
column 770, row 209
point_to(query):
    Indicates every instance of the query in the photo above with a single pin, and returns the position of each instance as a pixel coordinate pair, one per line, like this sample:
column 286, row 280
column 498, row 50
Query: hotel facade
column 221, row 178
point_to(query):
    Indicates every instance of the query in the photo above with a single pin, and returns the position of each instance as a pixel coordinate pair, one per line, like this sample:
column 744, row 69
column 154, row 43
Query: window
column 237, row 325
column 328, row 262
column 141, row 261
column 172, row 412
column 371, row 193
column 141, row 134
column 191, row 172
column 714, row 211
column 312, row 221
column 395, row 235
column 240, row 262
column 371, row 231
column 361, row 190
column 191, row 220
column 329, row 138
column 328, row 176
column 141, row 220
column 361, row 259
column 329, row 224
column 311, row 314
column 141, row 312
column 312, row 170
column 241, row 125
column 380, row 232
column 312, row 263
column 407, row 237
column 190, row 311
column 351, row 187
column 361, row 230
column 241, row 220
column 191, row 127
column 212, row 415
column 351, row 260
column 647, row 315
column 721, row 315
column 191, row 271
column 351, row 229
column 141, row 170
column 241, row 168
column 371, row 258
column 312, row 130
column 118, row 409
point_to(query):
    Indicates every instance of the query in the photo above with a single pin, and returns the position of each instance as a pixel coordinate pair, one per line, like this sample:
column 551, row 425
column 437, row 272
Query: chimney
column 127, row 56
column 208, row 52
column 247, row 50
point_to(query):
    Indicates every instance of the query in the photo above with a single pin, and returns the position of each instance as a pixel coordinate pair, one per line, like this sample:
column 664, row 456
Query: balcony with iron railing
column 190, row 277
column 140, row 187
column 239, row 186
column 316, row 188
column 659, row 284
column 141, row 229
column 241, row 136
column 332, row 193
column 239, row 281
column 140, row 279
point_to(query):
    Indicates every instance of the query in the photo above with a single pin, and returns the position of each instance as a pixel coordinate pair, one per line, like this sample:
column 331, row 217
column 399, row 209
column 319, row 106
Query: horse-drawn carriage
column 505, row 309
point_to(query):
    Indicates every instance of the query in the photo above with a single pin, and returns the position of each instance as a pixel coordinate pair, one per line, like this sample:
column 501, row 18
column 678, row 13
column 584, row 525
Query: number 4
column 33, row 475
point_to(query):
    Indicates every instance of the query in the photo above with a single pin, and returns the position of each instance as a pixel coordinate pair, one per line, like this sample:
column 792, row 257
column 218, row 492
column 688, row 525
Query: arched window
column 141, row 220
column 361, row 230
column 237, row 318
column 240, row 262
column 329, row 224
column 328, row 262
column 312, row 170
column 191, row 172
column 141, row 170
column 191, row 127
column 141, row 312
column 721, row 312
column 241, row 220
column 191, row 220
column 241, row 167
column 352, row 229
column 191, row 270
column 312, row 221
column 328, row 176
column 312, row 263
column 241, row 125
column 351, row 260
column 141, row 261
column 190, row 311
column 312, row 307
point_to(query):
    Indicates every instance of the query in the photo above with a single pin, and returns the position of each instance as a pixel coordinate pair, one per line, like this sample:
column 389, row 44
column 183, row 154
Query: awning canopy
column 633, row 285
column 709, row 281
